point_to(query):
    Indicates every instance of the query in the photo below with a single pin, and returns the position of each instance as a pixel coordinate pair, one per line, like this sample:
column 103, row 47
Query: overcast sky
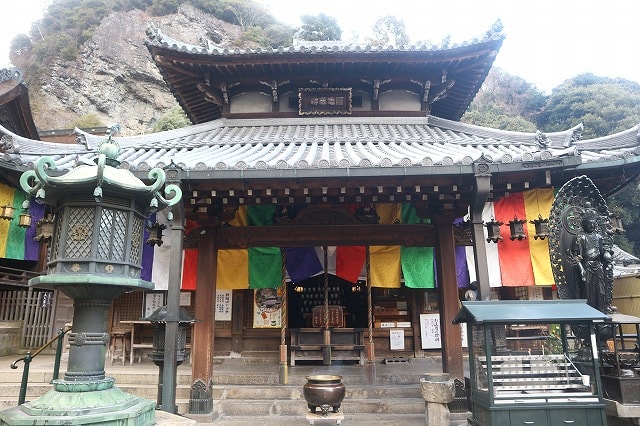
column 548, row 41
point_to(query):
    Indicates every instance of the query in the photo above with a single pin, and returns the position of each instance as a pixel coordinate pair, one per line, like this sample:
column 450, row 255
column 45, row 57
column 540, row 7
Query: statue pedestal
column 109, row 406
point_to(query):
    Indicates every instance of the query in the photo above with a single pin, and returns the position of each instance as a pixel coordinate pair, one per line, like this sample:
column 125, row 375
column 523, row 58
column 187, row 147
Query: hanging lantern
column 44, row 229
column 517, row 229
column 25, row 218
column 616, row 223
column 493, row 231
column 542, row 227
column 6, row 212
column 155, row 234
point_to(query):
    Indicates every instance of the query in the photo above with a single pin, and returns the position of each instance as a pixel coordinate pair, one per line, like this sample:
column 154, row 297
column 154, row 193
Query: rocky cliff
column 114, row 77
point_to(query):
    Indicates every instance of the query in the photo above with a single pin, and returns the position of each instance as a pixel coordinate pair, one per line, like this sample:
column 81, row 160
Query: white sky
column 548, row 41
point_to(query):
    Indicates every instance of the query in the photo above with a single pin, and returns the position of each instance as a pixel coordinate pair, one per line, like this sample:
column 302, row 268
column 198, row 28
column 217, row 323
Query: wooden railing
column 16, row 277
column 32, row 306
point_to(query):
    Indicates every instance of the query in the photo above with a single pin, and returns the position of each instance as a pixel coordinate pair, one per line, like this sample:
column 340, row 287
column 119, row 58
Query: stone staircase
column 283, row 405
column 249, row 393
column 247, row 396
column 140, row 380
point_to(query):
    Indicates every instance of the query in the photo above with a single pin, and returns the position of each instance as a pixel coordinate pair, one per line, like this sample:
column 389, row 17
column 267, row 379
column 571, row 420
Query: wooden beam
column 325, row 235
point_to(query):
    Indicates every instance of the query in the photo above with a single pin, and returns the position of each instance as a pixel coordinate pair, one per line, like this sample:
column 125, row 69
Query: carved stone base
column 109, row 407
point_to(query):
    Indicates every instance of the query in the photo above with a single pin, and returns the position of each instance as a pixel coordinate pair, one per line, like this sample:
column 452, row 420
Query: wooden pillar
column 417, row 302
column 452, row 362
column 202, row 339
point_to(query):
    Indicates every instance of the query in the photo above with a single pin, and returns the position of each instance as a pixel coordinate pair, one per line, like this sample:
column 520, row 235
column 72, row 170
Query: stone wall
column 10, row 337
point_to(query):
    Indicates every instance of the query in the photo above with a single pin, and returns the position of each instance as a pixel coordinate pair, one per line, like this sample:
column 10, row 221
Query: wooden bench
column 347, row 344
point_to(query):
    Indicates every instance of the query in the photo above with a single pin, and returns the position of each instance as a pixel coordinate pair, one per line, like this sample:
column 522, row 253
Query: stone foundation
column 10, row 336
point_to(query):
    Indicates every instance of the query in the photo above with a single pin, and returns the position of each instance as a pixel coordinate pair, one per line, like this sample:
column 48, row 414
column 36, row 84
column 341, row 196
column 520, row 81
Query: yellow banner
column 6, row 198
column 537, row 203
column 233, row 269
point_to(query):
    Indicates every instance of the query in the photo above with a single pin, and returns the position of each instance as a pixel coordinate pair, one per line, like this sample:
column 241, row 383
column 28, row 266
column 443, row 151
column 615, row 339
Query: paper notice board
column 396, row 339
column 430, row 332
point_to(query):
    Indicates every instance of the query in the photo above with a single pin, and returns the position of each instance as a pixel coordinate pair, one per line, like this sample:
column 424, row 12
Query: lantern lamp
column 155, row 234
column 6, row 212
column 542, row 228
column 25, row 218
column 44, row 229
column 493, row 231
column 517, row 229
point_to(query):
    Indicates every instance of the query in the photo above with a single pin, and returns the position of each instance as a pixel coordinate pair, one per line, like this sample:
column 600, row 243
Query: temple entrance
column 307, row 295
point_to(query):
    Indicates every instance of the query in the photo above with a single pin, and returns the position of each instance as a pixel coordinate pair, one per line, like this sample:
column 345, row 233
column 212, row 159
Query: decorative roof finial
column 110, row 148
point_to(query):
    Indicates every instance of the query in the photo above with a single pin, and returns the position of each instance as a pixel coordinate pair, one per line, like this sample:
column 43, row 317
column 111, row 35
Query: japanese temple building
column 339, row 176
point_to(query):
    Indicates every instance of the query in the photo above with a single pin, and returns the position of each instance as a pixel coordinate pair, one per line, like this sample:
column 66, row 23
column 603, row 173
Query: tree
column 20, row 44
column 248, row 13
column 505, row 102
column 389, row 30
column 626, row 204
column 604, row 105
column 175, row 118
column 319, row 28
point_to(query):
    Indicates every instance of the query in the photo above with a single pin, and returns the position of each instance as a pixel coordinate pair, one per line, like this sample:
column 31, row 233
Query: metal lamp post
column 159, row 319
column 96, row 256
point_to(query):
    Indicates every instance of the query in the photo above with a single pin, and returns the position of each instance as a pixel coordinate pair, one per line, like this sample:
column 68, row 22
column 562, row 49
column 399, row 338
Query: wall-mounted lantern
column 24, row 220
column 44, row 229
column 516, row 226
column 542, row 227
column 155, row 234
column 493, row 231
column 7, row 212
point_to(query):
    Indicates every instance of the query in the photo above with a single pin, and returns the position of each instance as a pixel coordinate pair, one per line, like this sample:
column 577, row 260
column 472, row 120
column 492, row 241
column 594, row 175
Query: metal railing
column 29, row 357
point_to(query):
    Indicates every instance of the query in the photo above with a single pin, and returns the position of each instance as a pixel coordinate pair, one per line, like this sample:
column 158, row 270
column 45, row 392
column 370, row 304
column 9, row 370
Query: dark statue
column 592, row 255
column 581, row 244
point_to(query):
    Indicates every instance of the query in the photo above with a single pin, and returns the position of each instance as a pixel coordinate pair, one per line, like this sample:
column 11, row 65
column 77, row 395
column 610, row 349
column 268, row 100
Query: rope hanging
column 326, row 288
column 283, row 309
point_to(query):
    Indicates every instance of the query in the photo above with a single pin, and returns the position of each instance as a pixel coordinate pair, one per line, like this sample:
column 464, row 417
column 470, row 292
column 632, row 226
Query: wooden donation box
column 336, row 316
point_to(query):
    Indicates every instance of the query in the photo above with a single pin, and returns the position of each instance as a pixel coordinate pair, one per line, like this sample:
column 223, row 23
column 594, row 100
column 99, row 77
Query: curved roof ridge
column 625, row 139
column 13, row 143
column 150, row 139
column 553, row 139
column 156, row 37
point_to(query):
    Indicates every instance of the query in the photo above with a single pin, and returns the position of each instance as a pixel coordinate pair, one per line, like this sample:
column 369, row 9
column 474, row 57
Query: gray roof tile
column 326, row 142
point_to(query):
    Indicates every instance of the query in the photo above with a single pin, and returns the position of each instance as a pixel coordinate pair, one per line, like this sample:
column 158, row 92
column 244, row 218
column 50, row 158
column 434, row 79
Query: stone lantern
column 96, row 256
column 159, row 319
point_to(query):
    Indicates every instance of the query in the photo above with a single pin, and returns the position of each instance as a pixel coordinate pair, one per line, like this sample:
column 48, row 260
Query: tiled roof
column 313, row 143
column 156, row 37
column 204, row 78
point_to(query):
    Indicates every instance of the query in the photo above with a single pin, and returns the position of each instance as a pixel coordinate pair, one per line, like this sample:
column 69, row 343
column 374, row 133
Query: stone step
column 121, row 376
column 243, row 378
column 258, row 392
column 299, row 407
column 349, row 419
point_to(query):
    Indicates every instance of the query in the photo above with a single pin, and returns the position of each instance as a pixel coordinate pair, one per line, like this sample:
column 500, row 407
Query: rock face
column 115, row 78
